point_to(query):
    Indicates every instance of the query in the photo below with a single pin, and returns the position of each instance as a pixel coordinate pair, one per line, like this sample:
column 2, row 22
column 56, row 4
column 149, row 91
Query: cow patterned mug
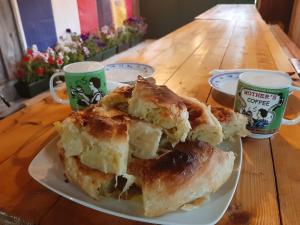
column 262, row 97
column 85, row 82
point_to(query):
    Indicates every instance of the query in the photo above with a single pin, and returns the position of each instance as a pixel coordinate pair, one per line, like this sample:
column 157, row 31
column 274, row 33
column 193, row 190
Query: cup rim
column 98, row 66
column 280, row 73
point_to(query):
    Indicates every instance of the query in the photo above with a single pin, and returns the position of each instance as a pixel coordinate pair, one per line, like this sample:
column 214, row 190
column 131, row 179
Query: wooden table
column 225, row 37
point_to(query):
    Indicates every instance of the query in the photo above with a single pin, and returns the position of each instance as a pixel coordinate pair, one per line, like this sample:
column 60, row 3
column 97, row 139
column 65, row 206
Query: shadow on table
column 223, row 99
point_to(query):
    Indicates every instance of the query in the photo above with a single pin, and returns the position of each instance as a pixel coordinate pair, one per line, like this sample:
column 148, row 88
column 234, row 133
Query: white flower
column 73, row 50
column 66, row 49
column 60, row 55
column 45, row 56
column 50, row 51
column 35, row 48
column 67, row 58
column 86, row 51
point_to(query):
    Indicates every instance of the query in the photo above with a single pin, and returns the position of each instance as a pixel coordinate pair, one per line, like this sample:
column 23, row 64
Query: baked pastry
column 93, row 182
column 205, row 126
column 233, row 123
column 160, row 106
column 144, row 139
column 118, row 98
column 99, row 137
column 190, row 171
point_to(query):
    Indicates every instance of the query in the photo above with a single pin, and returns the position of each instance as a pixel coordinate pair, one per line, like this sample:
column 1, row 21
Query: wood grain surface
column 225, row 37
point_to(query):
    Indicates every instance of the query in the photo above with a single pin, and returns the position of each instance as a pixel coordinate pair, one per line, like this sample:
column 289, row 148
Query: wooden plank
column 255, row 199
column 64, row 213
column 27, row 125
column 229, row 12
column 20, row 195
column 248, row 50
column 191, row 78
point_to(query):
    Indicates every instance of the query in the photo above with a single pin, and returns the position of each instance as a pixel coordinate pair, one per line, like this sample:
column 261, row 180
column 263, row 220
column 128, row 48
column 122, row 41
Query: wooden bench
column 289, row 47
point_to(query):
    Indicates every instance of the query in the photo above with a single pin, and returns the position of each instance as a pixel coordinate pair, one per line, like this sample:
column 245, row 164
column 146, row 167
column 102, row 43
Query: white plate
column 47, row 169
column 127, row 72
column 226, row 81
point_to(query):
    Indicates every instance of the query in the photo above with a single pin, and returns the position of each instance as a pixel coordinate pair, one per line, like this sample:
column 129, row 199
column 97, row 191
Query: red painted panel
column 129, row 7
column 88, row 15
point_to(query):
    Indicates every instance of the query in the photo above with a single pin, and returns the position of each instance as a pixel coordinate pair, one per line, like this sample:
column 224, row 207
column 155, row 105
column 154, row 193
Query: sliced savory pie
column 99, row 137
column 118, row 98
column 205, row 126
column 93, row 182
column 160, row 106
column 190, row 171
column 144, row 139
column 233, row 124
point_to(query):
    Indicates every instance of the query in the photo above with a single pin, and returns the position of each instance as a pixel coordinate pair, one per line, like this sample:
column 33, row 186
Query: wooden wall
column 276, row 12
column 10, row 47
column 294, row 31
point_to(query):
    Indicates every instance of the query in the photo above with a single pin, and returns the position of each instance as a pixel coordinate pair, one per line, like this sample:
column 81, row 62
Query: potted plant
column 70, row 48
column 92, row 46
column 123, row 39
column 109, row 37
column 136, row 29
column 34, row 70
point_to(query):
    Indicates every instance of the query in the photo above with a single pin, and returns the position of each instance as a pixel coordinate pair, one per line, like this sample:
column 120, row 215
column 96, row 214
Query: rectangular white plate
column 47, row 169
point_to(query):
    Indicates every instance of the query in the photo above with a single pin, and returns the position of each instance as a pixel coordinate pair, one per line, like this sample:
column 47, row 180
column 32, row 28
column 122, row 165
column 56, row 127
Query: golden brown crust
column 223, row 115
column 161, row 95
column 85, row 170
column 195, row 113
column 177, row 166
column 102, row 123
column 118, row 98
column 125, row 91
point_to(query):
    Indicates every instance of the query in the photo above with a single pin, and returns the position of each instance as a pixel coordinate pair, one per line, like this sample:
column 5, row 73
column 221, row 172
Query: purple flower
column 84, row 36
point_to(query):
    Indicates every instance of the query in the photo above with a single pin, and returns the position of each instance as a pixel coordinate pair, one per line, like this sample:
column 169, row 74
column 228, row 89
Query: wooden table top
column 224, row 37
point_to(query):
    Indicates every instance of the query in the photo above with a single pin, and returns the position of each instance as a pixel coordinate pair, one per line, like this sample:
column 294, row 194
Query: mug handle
column 52, row 89
column 297, row 119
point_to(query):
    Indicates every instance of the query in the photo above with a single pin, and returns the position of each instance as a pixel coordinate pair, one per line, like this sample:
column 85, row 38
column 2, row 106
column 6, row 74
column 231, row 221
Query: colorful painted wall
column 41, row 22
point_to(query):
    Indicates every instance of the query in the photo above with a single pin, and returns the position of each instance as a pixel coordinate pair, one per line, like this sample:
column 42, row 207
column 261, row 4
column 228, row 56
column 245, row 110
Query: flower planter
column 96, row 57
column 123, row 47
column 135, row 41
column 29, row 90
column 109, row 52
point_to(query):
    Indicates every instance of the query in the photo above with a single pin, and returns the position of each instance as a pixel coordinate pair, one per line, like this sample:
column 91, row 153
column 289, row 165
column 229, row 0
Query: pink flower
column 105, row 29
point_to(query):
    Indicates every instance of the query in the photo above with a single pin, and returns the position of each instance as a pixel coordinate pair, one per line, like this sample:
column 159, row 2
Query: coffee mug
column 262, row 97
column 85, row 82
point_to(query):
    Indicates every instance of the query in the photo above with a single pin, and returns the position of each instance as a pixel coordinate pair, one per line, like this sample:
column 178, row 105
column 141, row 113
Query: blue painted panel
column 38, row 23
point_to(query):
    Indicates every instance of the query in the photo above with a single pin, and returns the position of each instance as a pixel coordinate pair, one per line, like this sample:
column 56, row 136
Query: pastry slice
column 189, row 172
column 162, row 107
column 144, row 139
column 93, row 182
column 205, row 126
column 233, row 124
column 118, row 98
column 99, row 137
